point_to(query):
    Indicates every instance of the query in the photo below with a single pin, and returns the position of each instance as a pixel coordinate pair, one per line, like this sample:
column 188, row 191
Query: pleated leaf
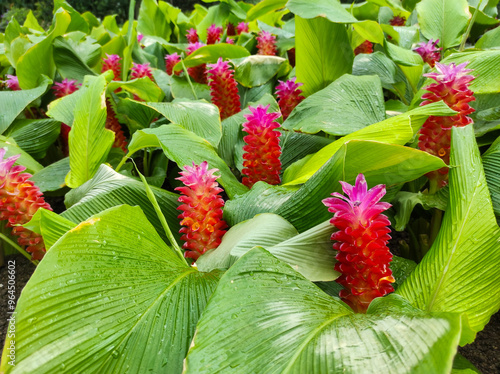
column 51, row 178
column 89, row 142
column 491, row 163
column 460, row 272
column 209, row 54
column 12, row 149
column 264, row 317
column 109, row 297
column 35, row 136
column 50, row 225
column 142, row 87
column 255, row 70
column 331, row 10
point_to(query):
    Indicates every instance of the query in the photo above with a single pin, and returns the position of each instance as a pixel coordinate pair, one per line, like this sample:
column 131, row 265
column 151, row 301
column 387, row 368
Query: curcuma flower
column 141, row 70
column 398, row 21
column 170, row 62
column 214, row 34
column 429, row 52
column 19, row 201
column 242, row 27
column 192, row 36
column 262, row 149
column 112, row 62
column 365, row 47
column 66, row 87
column 12, row 82
column 113, row 125
column 201, row 210
column 435, row 135
column 223, row 88
column 289, row 96
column 266, row 44
column 198, row 73
column 361, row 241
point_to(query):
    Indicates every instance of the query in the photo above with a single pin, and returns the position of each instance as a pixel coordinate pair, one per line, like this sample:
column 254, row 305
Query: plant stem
column 189, row 80
column 469, row 28
column 145, row 162
column 131, row 11
column 124, row 160
column 22, row 251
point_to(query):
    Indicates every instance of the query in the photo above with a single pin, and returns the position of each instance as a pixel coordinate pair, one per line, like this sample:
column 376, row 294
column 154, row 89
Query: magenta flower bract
column 214, row 34
column 112, row 62
column 361, row 241
column 170, row 62
column 289, row 96
column 398, row 21
column 198, row 73
column 435, row 134
column 429, row 52
column 266, row 44
column 12, row 82
column 223, row 88
column 242, row 27
column 230, row 31
column 262, row 149
column 141, row 70
column 201, row 210
column 19, row 201
column 192, row 36
column 113, row 125
column 365, row 47
column 66, row 87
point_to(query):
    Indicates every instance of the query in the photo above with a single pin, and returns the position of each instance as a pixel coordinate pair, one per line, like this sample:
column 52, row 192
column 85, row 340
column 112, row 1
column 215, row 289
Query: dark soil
column 484, row 353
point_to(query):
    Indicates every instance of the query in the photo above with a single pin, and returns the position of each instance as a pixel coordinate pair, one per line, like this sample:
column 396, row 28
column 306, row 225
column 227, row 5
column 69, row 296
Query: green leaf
column 14, row 102
column 445, row 20
column 402, row 56
column 121, row 301
column 287, row 324
column 63, row 109
column 184, row 147
column 264, row 7
column 153, row 20
column 89, row 142
column 331, row 10
column 323, row 53
column 331, row 110
column 369, row 30
column 209, row 54
column 395, row 130
column 142, row 87
column 35, row 136
column 491, row 163
column 181, row 89
column 50, row 225
column 460, row 272
column 51, row 178
column 68, row 62
column 491, row 39
column 256, row 70
column 12, row 149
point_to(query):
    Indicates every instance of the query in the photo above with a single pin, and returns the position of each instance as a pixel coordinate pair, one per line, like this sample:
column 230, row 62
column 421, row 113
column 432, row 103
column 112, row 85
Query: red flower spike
column 12, row 83
column 398, row 21
column 289, row 96
column 112, row 62
column 262, row 157
column 230, row 31
column 429, row 52
column 192, row 36
column 453, row 88
column 141, row 70
column 201, row 210
column 363, row 256
column 170, row 62
column 365, row 47
column 214, row 34
column 266, row 44
column 223, row 88
column 198, row 73
column 242, row 27
column 66, row 87
column 19, row 201
column 113, row 125
column 291, row 56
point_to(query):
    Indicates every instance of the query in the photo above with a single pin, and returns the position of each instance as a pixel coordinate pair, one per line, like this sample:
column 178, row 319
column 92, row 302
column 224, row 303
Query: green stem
column 145, row 162
column 189, row 80
column 123, row 161
column 469, row 28
column 22, row 251
column 131, row 16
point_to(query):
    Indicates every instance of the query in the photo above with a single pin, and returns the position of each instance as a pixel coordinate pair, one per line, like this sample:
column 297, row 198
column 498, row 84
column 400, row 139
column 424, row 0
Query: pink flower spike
column 201, row 210
column 398, row 21
column 198, row 73
column 242, row 27
column 139, row 38
column 192, row 36
column 229, row 41
column 66, row 87
column 12, row 82
column 289, row 96
column 365, row 47
column 363, row 257
column 141, row 70
column 429, row 52
column 266, row 44
column 19, row 201
column 112, row 62
column 230, row 31
column 171, row 61
column 214, row 34
column 262, row 149
column 223, row 88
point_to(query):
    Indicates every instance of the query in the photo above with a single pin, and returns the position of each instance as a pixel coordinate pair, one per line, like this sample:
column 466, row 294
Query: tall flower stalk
column 112, row 62
column 19, row 201
column 170, row 62
column 223, row 88
column 113, row 125
column 289, row 96
column 363, row 257
column 429, row 52
column 201, row 210
column 365, row 47
column 198, row 73
column 452, row 87
column 192, row 36
column 266, row 44
column 262, row 149
column 141, row 71
column 214, row 34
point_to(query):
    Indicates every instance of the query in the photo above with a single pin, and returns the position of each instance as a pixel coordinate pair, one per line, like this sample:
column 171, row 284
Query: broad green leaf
column 460, row 272
column 181, row 89
column 332, row 10
column 445, row 20
column 51, row 178
column 184, row 147
column 35, row 136
column 402, row 56
column 32, row 23
column 286, row 324
column 491, row 163
column 256, row 70
column 78, row 23
column 323, row 53
column 331, row 110
column 63, row 109
column 395, row 130
column 153, row 20
column 12, row 149
column 369, row 30
column 14, row 102
column 394, row 5
column 68, row 62
column 263, row 8
column 209, row 54
column 491, row 39
column 136, row 115
column 295, row 146
column 142, row 87
column 121, row 301
column 89, row 142
column 50, row 225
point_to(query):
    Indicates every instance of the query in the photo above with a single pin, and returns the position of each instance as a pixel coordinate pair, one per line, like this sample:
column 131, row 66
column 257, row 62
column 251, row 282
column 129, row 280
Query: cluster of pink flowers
column 170, row 62
column 141, row 71
column 289, row 96
column 112, row 62
column 223, row 88
column 64, row 88
column 429, row 52
column 214, row 34
column 266, row 44
column 398, row 21
column 12, row 83
column 198, row 73
column 365, row 47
